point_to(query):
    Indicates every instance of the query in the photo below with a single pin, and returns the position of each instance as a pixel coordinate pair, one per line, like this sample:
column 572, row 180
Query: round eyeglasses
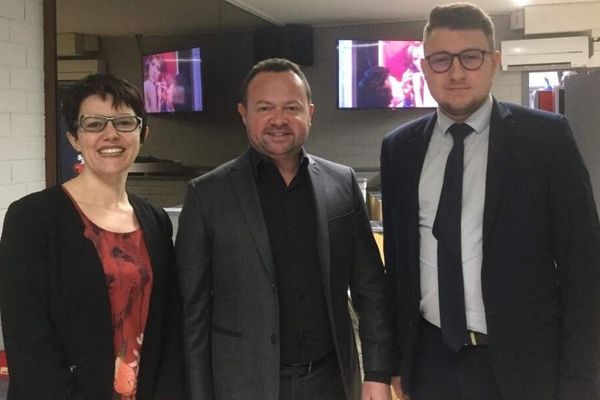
column 471, row 60
column 97, row 123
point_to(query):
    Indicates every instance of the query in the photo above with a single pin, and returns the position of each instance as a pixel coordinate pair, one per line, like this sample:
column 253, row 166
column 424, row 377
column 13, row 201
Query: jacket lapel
column 498, row 154
column 320, row 190
column 501, row 129
column 414, row 154
column 415, row 149
column 244, row 187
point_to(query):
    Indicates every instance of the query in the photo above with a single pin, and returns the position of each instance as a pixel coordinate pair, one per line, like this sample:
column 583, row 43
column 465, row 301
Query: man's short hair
column 274, row 65
column 461, row 16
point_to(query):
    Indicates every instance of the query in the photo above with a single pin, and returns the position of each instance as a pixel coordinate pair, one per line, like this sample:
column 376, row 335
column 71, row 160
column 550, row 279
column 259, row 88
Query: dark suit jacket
column 56, row 314
column 231, row 310
column 541, row 253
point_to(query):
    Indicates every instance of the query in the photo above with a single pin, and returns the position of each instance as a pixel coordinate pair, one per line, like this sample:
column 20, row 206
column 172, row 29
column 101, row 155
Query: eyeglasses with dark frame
column 470, row 59
column 97, row 123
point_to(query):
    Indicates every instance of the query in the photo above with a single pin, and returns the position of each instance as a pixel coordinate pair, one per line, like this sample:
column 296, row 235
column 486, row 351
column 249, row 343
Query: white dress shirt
column 473, row 198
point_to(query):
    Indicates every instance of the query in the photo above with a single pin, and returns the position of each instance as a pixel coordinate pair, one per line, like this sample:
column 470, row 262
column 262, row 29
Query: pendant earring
column 79, row 165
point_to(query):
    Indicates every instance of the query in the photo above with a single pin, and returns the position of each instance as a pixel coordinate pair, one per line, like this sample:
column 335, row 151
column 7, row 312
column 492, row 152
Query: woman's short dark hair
column 461, row 16
column 102, row 85
column 274, row 65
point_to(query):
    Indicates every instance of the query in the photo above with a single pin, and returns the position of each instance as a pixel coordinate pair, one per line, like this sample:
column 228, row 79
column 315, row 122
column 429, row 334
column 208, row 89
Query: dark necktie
column 446, row 229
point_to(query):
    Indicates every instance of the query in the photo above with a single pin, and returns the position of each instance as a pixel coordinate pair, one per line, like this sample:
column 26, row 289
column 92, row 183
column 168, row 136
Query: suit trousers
column 322, row 383
column 442, row 374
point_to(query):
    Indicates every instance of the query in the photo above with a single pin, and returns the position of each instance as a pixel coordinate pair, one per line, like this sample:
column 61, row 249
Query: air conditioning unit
column 76, row 45
column 545, row 54
column 72, row 70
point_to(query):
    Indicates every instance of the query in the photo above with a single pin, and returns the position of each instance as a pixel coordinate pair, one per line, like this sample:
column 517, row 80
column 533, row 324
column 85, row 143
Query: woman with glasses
column 88, row 292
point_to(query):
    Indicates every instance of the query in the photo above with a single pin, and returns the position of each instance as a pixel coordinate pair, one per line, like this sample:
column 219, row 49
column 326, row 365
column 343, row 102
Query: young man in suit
column 492, row 240
column 268, row 245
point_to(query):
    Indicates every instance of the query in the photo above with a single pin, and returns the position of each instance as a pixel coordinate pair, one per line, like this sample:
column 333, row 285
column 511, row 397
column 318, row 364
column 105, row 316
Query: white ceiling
column 160, row 17
column 151, row 17
column 336, row 12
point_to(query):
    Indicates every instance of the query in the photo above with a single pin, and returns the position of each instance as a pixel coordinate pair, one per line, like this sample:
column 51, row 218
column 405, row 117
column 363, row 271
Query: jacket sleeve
column 389, row 200
column 169, row 382
column 576, row 237
column 369, row 296
column 194, row 255
column 37, row 366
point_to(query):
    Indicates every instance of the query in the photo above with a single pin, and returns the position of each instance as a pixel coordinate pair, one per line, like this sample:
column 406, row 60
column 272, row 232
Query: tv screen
column 381, row 74
column 173, row 81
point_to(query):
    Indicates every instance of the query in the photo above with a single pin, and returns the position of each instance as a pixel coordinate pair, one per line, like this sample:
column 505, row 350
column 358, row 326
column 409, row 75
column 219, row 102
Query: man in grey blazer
column 268, row 246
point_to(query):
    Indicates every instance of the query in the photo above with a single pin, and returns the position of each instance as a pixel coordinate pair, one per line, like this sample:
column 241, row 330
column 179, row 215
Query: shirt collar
column 479, row 120
column 258, row 160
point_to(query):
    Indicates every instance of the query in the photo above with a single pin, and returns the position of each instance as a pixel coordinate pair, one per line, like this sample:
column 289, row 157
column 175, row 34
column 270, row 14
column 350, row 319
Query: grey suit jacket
column 540, row 274
column 231, row 310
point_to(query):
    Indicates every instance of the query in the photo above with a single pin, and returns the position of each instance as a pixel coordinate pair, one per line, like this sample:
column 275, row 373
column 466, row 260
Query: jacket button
column 274, row 338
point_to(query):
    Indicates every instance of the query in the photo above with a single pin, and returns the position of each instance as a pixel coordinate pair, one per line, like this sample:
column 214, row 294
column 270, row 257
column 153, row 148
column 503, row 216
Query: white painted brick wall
column 35, row 101
column 26, row 33
column 21, row 101
column 26, row 78
column 4, row 29
column 5, row 172
column 12, row 100
column 12, row 54
column 13, row 10
column 4, row 77
column 26, row 124
column 34, row 13
column 4, row 122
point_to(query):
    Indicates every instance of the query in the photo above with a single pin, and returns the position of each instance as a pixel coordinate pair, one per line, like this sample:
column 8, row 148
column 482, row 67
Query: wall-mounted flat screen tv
column 381, row 74
column 173, row 81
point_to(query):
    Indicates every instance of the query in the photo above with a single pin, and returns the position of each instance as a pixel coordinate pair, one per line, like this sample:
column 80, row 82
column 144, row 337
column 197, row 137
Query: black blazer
column 541, row 253
column 231, row 308
column 56, row 312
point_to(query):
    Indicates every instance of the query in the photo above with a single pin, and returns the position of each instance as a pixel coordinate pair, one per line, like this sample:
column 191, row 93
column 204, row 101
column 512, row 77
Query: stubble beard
column 461, row 113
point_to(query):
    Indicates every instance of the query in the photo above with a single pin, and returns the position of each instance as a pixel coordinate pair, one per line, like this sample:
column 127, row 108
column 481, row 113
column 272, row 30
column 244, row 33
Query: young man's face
column 458, row 91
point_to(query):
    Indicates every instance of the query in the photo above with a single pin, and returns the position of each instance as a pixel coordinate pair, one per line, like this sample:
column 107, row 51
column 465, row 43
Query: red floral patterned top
column 128, row 273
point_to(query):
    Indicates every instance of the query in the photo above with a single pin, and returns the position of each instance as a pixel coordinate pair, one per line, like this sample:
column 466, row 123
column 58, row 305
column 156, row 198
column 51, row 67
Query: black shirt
column 290, row 217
